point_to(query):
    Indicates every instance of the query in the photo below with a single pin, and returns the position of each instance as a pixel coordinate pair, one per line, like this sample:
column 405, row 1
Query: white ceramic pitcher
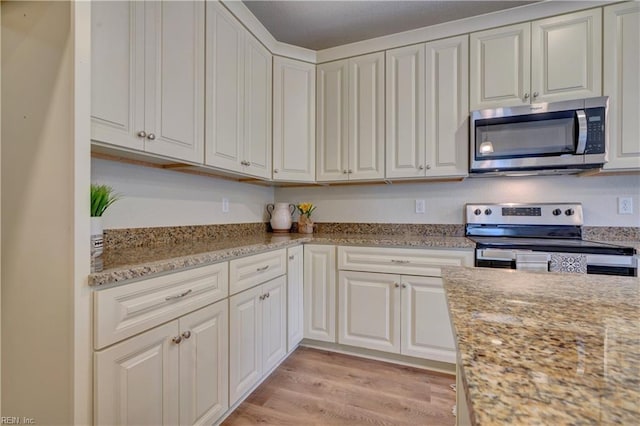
column 280, row 215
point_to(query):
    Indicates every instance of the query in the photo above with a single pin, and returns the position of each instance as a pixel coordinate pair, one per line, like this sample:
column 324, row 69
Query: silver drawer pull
column 264, row 268
column 178, row 296
column 399, row 261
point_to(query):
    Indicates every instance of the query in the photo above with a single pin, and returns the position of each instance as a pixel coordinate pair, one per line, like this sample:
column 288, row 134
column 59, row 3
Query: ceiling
column 320, row 25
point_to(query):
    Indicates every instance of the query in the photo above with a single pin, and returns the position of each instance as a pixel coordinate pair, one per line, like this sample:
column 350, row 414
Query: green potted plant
column 305, row 224
column 102, row 196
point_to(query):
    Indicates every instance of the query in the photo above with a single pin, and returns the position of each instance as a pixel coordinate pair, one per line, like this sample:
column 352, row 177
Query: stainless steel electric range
column 542, row 237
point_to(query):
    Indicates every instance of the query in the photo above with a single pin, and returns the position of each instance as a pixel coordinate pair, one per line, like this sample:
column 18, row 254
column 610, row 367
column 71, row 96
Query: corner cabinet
column 548, row 60
column 238, row 97
column 427, row 110
column 147, row 77
column 622, row 84
column 350, row 119
column 294, row 125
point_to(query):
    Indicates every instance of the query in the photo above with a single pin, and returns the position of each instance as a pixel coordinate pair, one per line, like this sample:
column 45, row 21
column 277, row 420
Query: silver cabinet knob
column 535, row 94
column 275, row 170
column 428, row 166
column 142, row 134
column 344, row 172
column 262, row 296
column 248, row 163
column 420, row 167
column 291, row 257
column 177, row 340
column 526, row 96
column 268, row 294
column 350, row 171
column 396, row 285
column 186, row 334
column 404, row 286
column 151, row 136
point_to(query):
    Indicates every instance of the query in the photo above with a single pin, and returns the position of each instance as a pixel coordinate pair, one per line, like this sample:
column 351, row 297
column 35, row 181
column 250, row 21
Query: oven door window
column 535, row 135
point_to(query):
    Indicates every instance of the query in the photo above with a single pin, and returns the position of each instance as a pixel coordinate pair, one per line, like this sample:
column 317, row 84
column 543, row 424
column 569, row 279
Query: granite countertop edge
column 133, row 271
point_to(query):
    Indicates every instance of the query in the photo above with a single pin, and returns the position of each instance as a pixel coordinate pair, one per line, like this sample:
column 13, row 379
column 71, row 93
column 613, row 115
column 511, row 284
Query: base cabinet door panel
column 295, row 297
column 274, row 322
column 426, row 327
column 369, row 310
column 138, row 380
column 320, row 292
column 204, row 365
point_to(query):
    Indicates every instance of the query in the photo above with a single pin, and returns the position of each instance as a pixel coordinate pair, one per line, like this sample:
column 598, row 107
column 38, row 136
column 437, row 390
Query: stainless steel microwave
column 544, row 138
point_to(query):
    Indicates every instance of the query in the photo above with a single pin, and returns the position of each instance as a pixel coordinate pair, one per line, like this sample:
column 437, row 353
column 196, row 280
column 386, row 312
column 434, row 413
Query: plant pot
column 305, row 225
column 97, row 244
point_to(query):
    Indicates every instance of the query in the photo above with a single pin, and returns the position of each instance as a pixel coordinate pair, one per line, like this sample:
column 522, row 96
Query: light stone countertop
column 546, row 349
column 142, row 262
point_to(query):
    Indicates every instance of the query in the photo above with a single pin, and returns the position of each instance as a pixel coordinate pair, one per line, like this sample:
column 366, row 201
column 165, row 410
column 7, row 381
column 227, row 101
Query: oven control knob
column 568, row 212
column 487, row 212
column 557, row 212
column 477, row 212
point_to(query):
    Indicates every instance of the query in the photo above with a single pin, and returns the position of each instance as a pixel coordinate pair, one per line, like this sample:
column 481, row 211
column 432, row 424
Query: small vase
column 305, row 225
column 280, row 215
column 97, row 243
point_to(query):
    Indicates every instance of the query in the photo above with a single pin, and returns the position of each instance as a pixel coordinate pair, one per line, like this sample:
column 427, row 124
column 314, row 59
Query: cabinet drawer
column 426, row 262
column 253, row 270
column 121, row 312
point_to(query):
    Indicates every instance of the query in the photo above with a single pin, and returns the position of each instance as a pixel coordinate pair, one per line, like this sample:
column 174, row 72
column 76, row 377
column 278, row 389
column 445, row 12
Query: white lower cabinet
column 320, row 292
column 257, row 334
column 394, row 313
column 295, row 297
column 172, row 374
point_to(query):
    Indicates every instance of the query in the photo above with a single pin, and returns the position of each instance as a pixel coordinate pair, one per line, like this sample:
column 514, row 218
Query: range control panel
column 524, row 214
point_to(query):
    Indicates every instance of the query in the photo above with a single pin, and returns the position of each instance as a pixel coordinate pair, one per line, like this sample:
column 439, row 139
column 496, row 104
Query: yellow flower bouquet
column 305, row 224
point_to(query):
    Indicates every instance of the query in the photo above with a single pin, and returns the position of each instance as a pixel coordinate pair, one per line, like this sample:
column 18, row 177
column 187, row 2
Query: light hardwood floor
column 314, row 387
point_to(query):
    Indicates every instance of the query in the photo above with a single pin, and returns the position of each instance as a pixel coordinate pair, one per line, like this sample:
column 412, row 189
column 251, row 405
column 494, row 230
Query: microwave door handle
column 582, row 131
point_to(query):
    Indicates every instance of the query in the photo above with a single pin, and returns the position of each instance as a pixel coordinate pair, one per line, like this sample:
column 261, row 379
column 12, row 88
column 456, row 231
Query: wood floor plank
column 314, row 387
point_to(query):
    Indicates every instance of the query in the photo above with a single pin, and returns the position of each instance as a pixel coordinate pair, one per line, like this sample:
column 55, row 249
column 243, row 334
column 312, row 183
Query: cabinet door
column 224, row 89
column 426, row 327
column 137, row 380
column 117, row 73
column 622, row 83
column 274, row 322
column 405, row 142
column 320, row 292
column 366, row 117
column 245, row 355
column 295, row 298
column 333, row 121
column 257, row 109
column 174, row 79
column 500, row 67
column 447, row 107
column 566, row 57
column 369, row 310
column 294, row 122
column 204, row 365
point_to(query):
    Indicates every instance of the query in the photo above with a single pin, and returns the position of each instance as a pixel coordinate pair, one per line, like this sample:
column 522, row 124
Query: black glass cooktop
column 552, row 245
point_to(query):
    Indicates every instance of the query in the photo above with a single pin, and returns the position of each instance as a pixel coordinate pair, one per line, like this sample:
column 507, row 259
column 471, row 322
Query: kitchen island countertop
column 546, row 348
column 142, row 262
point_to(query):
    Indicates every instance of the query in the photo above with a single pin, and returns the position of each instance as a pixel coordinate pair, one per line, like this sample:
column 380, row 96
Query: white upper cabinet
column 566, row 57
column 500, row 67
column 548, row 60
column 350, row 111
column 294, row 111
column 428, row 109
column 622, row 83
column 238, row 97
column 148, row 77
column 447, row 107
column 405, row 106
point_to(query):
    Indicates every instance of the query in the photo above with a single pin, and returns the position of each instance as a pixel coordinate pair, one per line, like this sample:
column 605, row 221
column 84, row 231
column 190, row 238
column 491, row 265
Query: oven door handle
column 582, row 131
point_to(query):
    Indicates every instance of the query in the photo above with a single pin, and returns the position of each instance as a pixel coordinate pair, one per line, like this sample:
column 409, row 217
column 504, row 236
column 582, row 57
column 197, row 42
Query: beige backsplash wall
column 444, row 201
column 153, row 197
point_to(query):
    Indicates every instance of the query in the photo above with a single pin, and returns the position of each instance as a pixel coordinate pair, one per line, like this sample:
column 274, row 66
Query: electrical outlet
column 420, row 206
column 625, row 205
column 225, row 205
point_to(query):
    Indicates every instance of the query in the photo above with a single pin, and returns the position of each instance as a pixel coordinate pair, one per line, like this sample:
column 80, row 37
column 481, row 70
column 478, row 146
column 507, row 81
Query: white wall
column 396, row 202
column 155, row 197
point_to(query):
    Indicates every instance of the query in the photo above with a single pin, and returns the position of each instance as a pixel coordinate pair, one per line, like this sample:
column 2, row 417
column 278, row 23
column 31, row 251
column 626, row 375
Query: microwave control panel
column 595, row 131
